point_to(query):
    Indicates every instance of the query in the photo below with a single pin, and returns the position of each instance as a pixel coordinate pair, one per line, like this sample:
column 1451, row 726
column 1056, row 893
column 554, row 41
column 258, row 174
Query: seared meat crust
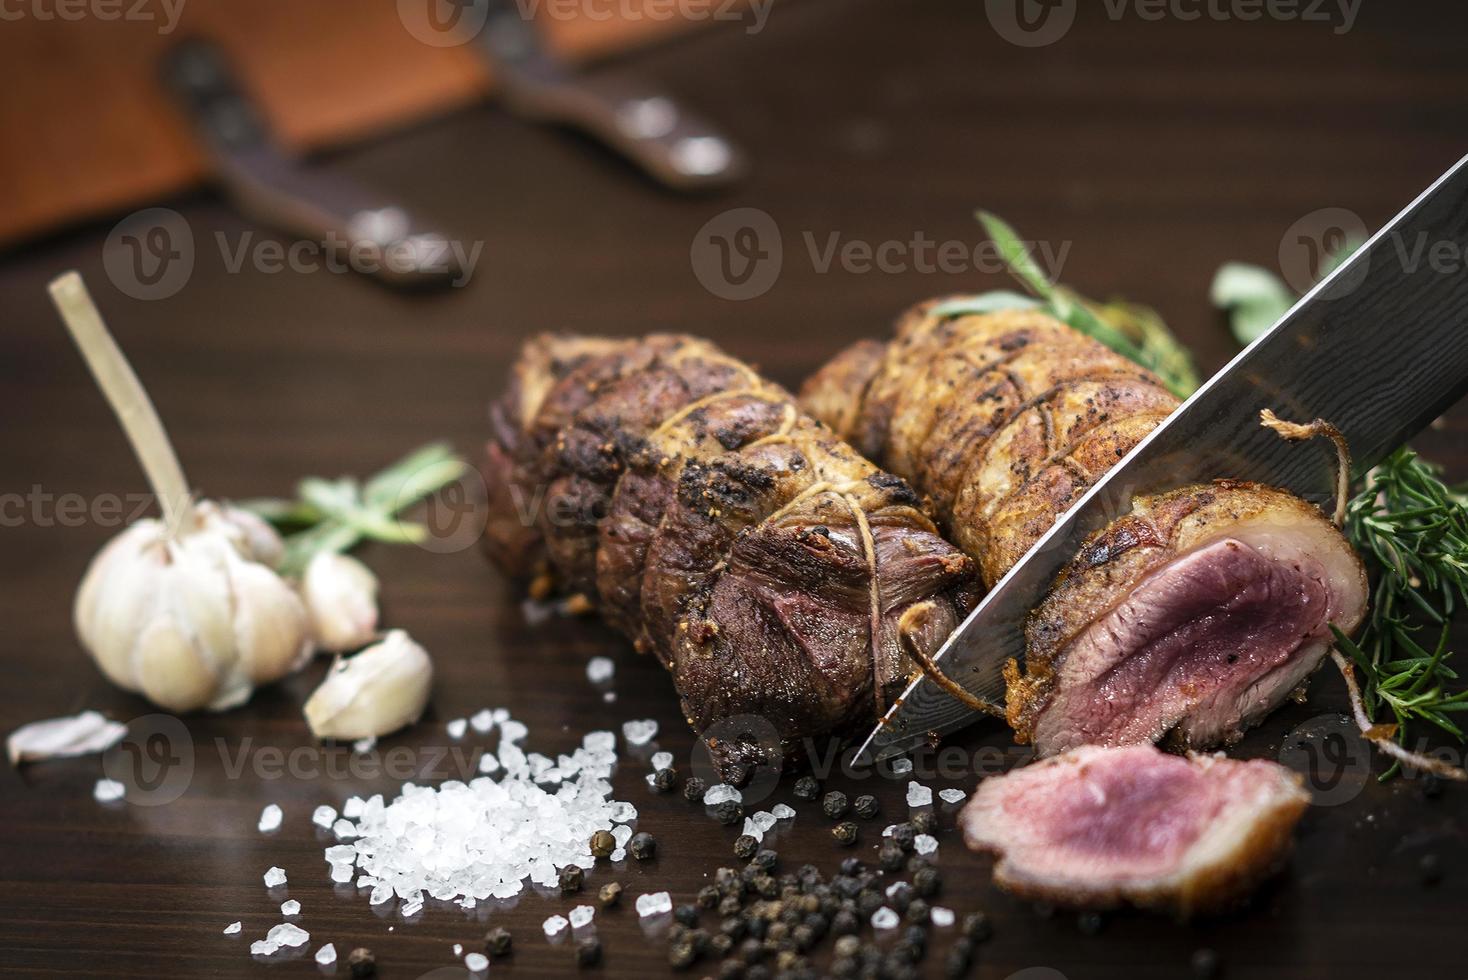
column 1002, row 420
column 761, row 559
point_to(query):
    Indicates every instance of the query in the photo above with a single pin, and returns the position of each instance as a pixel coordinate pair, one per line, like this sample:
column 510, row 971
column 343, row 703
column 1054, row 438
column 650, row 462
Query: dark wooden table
column 1153, row 151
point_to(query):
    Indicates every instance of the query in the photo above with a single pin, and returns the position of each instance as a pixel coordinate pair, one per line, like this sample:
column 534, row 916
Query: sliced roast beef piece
column 1196, row 614
column 764, row 562
column 1097, row 827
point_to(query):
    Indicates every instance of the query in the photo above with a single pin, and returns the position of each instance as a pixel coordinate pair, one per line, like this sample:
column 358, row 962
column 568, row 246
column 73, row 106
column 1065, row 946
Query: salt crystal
column 341, row 854
column 341, row 873
column 108, row 791
column 500, row 715
column 601, row 741
column 364, row 745
column 275, row 877
column 582, row 915
column 661, row 760
column 412, row 908
column 889, row 830
column 610, row 697
column 488, row 763
column 925, row 843
column 620, row 854
column 457, row 727
column 720, row 792
column 783, row 812
column 290, row 907
column 600, row 669
column 901, row 766
column 952, row 795
column 344, row 828
column 752, row 830
column 326, row 955
column 270, row 818
column 458, row 949
column 482, row 720
column 288, row 934
column 554, row 926
column 655, row 903
column 476, row 962
column 942, row 918
column 381, row 894
column 352, row 808
column 918, row 794
column 639, row 732
column 621, row 834
column 262, row 947
column 623, row 812
column 884, row 918
column 652, row 779
column 233, row 928
column 764, row 820
column 512, row 731
column 323, row 816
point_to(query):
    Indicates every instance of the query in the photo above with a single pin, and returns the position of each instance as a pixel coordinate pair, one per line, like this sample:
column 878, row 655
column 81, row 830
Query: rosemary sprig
column 334, row 515
column 1412, row 528
column 1133, row 331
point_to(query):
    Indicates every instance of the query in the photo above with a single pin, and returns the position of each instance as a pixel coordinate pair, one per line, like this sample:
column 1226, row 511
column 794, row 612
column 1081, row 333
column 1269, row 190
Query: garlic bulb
column 192, row 619
column 341, row 599
column 373, row 693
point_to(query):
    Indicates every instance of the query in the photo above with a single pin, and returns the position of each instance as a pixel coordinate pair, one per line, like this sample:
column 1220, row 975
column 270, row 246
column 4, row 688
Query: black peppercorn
column 1432, row 786
column 665, row 780
column 806, row 788
column 845, row 833
column 925, row 881
column 1090, row 923
column 728, row 812
column 693, row 789
column 362, row 963
column 642, row 846
column 866, row 806
column 610, row 895
column 730, row 905
column 720, row 945
column 707, row 897
column 603, row 844
column 588, row 951
column 745, row 846
column 681, row 954
column 960, row 958
column 497, row 942
column 851, row 866
column 767, row 859
column 976, row 927
column 571, row 879
column 766, row 886
column 903, row 835
column 890, row 857
column 899, row 896
column 918, row 911
column 733, row 927
column 845, row 923
column 835, row 805
column 686, row 914
column 925, row 822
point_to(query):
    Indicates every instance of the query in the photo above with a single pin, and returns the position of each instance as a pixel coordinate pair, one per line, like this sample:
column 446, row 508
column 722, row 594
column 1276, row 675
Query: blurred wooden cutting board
column 88, row 129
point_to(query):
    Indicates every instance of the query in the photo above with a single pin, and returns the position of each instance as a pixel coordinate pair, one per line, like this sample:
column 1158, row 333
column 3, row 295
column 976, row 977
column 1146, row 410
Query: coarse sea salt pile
column 487, row 837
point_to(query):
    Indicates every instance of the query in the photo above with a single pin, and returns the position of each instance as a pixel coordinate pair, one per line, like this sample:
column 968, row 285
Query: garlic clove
column 173, row 671
column 271, row 630
column 61, row 738
column 341, row 598
column 258, row 540
column 373, row 693
column 119, row 595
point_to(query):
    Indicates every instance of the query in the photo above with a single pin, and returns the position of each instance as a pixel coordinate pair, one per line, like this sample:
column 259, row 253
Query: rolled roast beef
column 1197, row 614
column 1099, row 827
column 763, row 561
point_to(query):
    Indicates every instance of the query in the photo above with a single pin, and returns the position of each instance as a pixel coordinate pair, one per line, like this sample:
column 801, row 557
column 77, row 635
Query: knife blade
column 1379, row 348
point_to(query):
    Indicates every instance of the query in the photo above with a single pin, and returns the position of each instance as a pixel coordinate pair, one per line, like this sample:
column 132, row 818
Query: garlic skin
column 341, row 600
column 378, row 691
column 192, row 620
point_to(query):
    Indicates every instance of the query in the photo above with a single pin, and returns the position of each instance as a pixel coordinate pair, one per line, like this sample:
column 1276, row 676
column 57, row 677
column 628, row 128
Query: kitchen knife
column 1379, row 348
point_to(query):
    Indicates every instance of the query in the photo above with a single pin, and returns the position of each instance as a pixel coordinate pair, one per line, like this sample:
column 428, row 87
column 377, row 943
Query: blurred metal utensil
column 649, row 128
column 377, row 236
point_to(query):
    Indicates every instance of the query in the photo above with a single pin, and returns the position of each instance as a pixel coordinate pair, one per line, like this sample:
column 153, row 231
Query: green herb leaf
column 1253, row 297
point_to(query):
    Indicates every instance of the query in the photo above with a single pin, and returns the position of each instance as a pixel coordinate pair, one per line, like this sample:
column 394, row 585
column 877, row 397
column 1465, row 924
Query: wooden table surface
column 1152, row 151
